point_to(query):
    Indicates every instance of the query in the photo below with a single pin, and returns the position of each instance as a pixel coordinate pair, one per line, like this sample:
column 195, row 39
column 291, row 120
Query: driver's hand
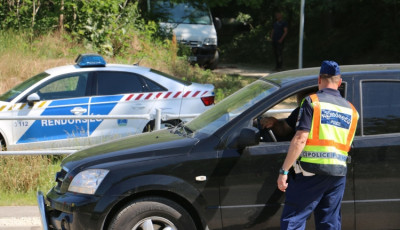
column 268, row 122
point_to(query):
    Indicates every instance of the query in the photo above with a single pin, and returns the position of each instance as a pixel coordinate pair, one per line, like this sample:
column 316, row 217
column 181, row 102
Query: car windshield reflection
column 231, row 107
column 184, row 13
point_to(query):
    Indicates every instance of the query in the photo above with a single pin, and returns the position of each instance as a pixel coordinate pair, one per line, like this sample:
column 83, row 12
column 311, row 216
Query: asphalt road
column 255, row 71
column 19, row 218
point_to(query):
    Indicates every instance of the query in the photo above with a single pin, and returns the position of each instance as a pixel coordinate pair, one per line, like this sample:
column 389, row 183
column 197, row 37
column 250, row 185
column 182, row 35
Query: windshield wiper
column 182, row 129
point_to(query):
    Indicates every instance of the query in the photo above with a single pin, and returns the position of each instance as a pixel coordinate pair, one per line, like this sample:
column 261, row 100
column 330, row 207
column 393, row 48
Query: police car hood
column 142, row 147
column 3, row 103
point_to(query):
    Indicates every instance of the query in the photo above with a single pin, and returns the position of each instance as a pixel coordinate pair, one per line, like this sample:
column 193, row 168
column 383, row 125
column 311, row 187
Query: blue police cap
column 329, row 67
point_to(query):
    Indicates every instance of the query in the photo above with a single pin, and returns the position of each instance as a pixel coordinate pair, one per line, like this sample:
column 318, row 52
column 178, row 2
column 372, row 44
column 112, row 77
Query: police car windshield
column 182, row 13
column 14, row 92
column 231, row 107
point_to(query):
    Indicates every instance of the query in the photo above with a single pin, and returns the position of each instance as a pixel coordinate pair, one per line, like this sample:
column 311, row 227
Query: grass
column 22, row 58
column 22, row 176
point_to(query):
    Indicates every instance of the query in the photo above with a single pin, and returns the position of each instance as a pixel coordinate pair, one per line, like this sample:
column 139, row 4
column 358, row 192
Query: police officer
column 318, row 152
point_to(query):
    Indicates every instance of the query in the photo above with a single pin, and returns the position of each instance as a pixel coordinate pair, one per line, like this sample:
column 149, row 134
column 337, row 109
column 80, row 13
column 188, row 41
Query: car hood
column 3, row 103
column 142, row 147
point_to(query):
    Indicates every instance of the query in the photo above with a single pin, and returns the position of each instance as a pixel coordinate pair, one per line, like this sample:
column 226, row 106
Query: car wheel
column 165, row 124
column 3, row 146
column 154, row 213
column 214, row 63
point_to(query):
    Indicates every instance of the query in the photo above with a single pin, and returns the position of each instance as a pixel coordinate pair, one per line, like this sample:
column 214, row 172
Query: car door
column 65, row 95
column 249, row 196
column 376, row 152
column 119, row 93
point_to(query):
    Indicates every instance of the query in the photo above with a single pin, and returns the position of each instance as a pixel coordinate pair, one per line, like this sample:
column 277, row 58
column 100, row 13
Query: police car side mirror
column 34, row 97
column 248, row 137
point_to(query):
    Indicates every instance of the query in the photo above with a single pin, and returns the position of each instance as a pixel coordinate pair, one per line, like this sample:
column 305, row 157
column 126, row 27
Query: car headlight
column 210, row 41
column 87, row 181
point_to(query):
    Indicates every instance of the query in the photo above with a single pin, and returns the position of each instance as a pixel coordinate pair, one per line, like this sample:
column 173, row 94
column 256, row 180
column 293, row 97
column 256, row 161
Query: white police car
column 92, row 87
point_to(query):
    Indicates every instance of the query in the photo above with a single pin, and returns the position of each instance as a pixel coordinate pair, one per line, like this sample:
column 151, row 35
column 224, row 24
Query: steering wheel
column 266, row 135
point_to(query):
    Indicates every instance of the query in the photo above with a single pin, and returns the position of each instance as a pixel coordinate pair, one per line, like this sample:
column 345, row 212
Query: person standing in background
column 278, row 34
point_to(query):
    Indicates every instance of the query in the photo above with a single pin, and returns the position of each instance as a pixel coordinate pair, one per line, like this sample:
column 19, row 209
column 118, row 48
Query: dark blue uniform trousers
column 321, row 194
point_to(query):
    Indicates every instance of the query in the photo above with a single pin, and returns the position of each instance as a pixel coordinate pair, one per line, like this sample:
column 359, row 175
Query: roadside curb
column 19, row 218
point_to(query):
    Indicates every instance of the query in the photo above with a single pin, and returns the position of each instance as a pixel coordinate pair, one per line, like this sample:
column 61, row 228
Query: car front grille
column 60, row 176
column 190, row 43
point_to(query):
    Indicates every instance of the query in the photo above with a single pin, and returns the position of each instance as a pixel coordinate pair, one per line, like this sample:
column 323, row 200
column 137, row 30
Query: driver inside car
column 284, row 129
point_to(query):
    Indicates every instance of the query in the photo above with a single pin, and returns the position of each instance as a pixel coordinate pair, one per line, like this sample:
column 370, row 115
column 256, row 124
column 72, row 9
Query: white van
column 193, row 25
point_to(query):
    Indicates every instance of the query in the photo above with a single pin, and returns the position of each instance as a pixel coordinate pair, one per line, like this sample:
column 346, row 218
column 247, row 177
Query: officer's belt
column 328, row 155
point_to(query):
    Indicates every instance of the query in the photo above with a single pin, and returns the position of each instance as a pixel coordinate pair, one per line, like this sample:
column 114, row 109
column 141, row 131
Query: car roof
column 300, row 75
column 112, row 67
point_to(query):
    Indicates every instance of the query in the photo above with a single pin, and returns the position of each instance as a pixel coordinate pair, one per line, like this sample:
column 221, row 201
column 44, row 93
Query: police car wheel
column 3, row 146
column 152, row 213
column 168, row 124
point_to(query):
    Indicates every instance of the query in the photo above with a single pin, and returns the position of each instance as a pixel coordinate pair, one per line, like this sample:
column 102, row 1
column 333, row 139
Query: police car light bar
column 90, row 60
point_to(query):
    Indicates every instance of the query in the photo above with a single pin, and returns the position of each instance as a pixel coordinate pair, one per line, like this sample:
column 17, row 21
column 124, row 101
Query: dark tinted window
column 153, row 87
column 110, row 83
column 381, row 107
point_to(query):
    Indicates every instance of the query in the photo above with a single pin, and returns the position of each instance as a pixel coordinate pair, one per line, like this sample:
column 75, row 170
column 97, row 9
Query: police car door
column 65, row 95
column 118, row 93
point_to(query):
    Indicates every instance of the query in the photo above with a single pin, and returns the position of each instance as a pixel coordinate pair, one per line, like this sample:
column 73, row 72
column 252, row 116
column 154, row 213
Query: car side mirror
column 248, row 137
column 34, row 97
column 217, row 23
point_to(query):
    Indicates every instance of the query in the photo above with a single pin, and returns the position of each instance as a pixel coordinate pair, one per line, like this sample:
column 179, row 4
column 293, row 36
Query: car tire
column 214, row 63
column 150, row 126
column 152, row 213
column 3, row 146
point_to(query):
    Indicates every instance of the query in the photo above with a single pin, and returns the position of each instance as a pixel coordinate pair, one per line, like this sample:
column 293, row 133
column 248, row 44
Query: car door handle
column 78, row 110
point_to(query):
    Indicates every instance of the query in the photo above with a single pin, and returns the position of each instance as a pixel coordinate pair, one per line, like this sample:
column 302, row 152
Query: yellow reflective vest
column 332, row 131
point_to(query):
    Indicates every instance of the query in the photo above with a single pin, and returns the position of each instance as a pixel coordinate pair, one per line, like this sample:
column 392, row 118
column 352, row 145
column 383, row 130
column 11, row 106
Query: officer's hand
column 282, row 182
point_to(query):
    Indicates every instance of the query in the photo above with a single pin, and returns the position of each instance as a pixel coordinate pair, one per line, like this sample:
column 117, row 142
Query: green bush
column 104, row 26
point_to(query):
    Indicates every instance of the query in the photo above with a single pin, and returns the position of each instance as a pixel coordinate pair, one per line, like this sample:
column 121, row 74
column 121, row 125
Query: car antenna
column 138, row 63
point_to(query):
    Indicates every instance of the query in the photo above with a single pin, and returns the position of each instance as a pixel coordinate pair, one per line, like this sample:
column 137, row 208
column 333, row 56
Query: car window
column 380, row 107
column 152, row 86
column 111, row 83
column 70, row 86
column 231, row 107
column 284, row 108
column 282, row 117
column 14, row 92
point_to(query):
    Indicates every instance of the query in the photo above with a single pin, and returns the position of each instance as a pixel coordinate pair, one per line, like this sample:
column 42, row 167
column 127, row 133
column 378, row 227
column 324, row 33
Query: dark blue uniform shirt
column 278, row 30
column 292, row 119
column 306, row 110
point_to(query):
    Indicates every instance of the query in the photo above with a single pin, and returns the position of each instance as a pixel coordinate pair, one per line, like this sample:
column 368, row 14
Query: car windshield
column 231, row 107
column 185, row 13
column 14, row 92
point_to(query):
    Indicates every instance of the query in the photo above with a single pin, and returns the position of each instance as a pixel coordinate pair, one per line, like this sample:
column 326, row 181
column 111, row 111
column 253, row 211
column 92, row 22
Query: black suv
column 219, row 171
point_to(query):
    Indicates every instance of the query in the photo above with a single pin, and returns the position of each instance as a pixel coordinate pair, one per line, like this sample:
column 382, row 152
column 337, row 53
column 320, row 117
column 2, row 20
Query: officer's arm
column 296, row 147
